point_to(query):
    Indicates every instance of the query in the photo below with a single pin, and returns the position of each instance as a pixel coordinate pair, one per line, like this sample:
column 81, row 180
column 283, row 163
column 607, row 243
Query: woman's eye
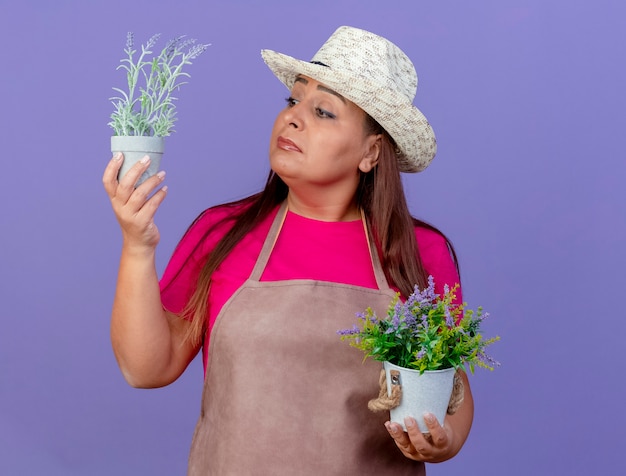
column 324, row 114
column 291, row 102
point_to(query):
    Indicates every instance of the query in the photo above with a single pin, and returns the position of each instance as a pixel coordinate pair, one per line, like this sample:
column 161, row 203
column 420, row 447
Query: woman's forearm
column 461, row 421
column 146, row 340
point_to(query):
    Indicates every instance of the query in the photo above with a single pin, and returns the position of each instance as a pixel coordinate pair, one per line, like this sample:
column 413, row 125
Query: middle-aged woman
column 263, row 284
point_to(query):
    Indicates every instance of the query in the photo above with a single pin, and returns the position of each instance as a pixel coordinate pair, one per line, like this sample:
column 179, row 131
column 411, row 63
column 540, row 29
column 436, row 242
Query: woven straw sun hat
column 377, row 76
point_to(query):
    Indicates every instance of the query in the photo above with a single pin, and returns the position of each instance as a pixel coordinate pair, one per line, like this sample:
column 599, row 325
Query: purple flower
column 172, row 46
column 410, row 321
column 363, row 317
column 412, row 301
column 449, row 319
column 152, row 41
column 487, row 360
column 349, row 332
column 412, row 333
column 196, row 50
column 395, row 324
column 425, row 297
column 398, row 309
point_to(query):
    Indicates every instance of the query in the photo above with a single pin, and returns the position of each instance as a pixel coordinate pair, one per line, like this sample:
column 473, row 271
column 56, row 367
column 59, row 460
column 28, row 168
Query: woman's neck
column 323, row 211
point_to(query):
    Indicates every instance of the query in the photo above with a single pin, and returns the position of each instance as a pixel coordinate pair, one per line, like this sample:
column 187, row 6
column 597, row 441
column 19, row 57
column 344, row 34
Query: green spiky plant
column 147, row 108
column 426, row 332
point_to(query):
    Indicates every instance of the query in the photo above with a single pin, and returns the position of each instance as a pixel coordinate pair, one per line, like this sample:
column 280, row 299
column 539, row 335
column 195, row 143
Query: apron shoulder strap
column 268, row 245
column 379, row 274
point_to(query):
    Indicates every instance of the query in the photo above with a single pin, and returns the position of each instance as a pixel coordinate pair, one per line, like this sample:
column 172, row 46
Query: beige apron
column 283, row 394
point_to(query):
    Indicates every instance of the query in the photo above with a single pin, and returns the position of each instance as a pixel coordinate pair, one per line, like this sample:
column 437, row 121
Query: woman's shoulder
column 436, row 254
column 210, row 226
column 217, row 219
column 219, row 213
column 428, row 236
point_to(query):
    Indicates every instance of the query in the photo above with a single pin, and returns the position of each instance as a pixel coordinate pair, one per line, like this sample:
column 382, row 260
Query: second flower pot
column 134, row 149
column 429, row 392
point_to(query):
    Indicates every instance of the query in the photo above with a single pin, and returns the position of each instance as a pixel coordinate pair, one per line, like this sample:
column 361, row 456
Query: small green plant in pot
column 423, row 342
column 145, row 113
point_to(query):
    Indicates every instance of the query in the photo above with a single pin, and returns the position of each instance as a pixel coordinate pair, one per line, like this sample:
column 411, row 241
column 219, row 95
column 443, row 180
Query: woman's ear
column 372, row 151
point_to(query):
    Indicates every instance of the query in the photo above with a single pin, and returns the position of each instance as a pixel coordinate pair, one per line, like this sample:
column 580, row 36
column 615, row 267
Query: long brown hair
column 380, row 194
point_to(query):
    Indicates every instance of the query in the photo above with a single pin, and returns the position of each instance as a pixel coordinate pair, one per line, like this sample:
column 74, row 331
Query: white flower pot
column 134, row 149
column 429, row 392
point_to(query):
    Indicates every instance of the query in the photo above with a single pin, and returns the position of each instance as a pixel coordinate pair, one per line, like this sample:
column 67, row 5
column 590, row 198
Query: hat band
column 320, row 63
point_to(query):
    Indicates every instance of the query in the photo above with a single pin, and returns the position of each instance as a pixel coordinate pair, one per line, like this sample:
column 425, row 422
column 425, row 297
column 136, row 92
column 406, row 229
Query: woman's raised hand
column 135, row 208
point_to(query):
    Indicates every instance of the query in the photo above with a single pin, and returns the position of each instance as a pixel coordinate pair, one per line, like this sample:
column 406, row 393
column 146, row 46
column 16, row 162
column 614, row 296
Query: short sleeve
column 437, row 261
column 181, row 273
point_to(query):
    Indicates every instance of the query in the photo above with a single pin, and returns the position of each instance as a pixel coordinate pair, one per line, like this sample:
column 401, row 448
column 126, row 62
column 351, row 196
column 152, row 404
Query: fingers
column 403, row 442
column 126, row 185
column 417, row 445
column 135, row 208
column 109, row 179
column 122, row 190
column 150, row 206
column 437, row 435
column 420, row 441
column 136, row 198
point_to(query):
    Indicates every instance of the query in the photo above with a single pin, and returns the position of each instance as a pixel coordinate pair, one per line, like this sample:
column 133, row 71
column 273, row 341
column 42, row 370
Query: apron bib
column 283, row 394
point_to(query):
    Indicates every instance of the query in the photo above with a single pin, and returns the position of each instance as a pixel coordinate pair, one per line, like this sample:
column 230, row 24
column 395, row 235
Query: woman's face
column 319, row 143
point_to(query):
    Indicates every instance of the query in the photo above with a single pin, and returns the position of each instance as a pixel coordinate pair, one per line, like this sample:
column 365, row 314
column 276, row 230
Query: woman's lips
column 286, row 144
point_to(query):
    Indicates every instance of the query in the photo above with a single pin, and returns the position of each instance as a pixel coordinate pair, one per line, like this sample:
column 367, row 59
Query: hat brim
column 405, row 123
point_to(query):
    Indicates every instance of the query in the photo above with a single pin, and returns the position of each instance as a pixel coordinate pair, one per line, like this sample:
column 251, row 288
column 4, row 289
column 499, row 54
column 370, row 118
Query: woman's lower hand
column 434, row 447
column 135, row 208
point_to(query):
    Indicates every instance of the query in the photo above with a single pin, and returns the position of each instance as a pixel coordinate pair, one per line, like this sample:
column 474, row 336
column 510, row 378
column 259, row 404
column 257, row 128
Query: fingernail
column 117, row 156
column 391, row 428
column 145, row 159
column 429, row 417
column 161, row 174
column 409, row 422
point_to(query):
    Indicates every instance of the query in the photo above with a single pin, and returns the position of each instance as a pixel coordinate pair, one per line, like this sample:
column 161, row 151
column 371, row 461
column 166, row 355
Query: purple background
column 527, row 101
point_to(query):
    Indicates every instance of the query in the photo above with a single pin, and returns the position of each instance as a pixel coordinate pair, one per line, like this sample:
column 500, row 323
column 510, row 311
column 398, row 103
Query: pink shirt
column 305, row 249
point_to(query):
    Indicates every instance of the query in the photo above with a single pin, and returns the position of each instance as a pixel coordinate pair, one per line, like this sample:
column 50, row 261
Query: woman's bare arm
column 148, row 341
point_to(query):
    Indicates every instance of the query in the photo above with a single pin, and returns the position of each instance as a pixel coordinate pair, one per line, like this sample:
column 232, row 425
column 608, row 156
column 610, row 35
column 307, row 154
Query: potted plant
column 145, row 113
column 422, row 342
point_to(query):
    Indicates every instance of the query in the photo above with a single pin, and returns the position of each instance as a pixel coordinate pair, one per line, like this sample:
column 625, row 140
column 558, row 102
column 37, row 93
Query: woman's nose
column 293, row 116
